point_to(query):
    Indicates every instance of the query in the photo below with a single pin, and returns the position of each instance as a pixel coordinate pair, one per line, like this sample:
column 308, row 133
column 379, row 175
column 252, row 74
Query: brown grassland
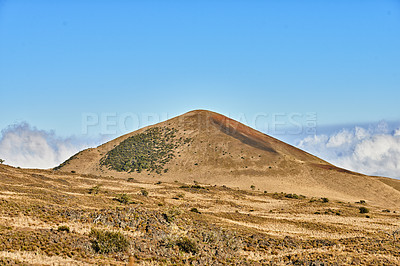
column 177, row 223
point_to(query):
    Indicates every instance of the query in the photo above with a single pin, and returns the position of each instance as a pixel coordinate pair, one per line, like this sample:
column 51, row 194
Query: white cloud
column 342, row 138
column 25, row 146
column 372, row 151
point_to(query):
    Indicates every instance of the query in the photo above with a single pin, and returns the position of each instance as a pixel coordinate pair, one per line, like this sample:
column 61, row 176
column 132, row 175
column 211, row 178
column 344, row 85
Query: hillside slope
column 210, row 148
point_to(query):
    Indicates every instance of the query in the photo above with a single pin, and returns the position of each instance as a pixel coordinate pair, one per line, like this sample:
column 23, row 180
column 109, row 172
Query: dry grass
column 39, row 258
column 243, row 226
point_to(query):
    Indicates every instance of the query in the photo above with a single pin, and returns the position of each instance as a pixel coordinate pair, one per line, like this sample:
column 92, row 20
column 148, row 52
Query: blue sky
column 61, row 59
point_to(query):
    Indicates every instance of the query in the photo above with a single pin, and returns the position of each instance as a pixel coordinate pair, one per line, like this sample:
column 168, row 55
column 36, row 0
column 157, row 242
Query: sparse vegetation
column 123, row 198
column 94, row 190
column 144, row 192
column 287, row 195
column 195, row 210
column 325, row 200
column 163, row 231
column 171, row 214
column 295, row 196
column 180, row 195
column 186, row 245
column 192, row 186
column 1, row 161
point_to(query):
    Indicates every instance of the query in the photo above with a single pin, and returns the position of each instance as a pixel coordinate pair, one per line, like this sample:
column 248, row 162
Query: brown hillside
column 210, row 148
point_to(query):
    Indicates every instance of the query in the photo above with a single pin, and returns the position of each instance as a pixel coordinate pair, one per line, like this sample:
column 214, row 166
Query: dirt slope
column 222, row 151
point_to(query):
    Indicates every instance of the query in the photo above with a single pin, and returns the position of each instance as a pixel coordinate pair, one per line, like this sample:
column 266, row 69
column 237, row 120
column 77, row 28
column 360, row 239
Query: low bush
column 123, row 198
column 94, row 190
column 194, row 210
column 192, row 186
column 144, row 192
column 171, row 214
column 105, row 242
column 364, row 210
column 63, row 228
column 186, row 245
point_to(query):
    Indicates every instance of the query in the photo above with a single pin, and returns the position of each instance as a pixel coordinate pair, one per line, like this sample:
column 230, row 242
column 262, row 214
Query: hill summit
column 208, row 147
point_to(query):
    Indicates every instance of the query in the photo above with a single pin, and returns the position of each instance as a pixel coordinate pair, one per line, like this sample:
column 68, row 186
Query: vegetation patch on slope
column 149, row 150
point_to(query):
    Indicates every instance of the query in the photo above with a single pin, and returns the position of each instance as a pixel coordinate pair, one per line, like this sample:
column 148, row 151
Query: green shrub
column 197, row 187
column 325, row 200
column 123, row 198
column 192, row 186
column 171, row 214
column 144, row 192
column 94, row 190
column 105, row 242
column 186, row 245
column 63, row 228
column 364, row 210
column 194, row 210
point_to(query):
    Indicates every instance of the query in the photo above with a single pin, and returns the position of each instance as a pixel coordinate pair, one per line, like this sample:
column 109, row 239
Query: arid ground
column 48, row 218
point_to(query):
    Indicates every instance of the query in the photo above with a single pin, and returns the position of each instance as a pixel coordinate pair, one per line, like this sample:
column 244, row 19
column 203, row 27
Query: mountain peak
column 211, row 148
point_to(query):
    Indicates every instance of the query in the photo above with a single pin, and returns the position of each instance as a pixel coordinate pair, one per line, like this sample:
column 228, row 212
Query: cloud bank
column 374, row 150
column 25, row 146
